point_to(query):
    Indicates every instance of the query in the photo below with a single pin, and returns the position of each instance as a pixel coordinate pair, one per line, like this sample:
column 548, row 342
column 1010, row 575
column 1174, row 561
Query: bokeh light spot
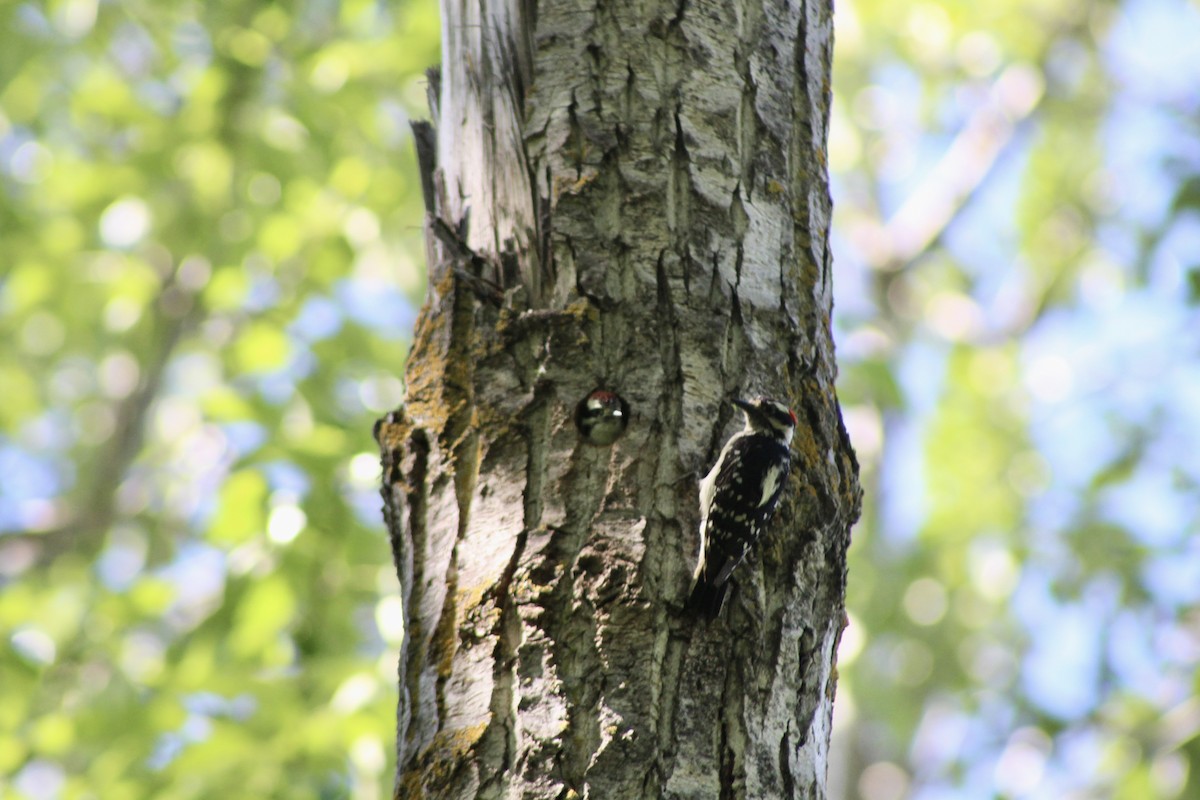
column 125, row 222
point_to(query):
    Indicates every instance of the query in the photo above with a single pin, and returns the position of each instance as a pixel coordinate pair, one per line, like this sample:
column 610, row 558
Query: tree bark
column 630, row 197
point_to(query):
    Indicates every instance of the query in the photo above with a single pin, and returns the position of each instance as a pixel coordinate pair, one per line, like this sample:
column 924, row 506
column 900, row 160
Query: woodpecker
column 601, row 417
column 738, row 497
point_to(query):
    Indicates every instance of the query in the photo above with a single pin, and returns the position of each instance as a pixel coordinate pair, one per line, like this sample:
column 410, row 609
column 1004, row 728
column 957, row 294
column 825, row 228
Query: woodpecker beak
column 750, row 408
column 745, row 405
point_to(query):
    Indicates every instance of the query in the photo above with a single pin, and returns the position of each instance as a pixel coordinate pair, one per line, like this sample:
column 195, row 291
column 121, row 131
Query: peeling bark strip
column 630, row 197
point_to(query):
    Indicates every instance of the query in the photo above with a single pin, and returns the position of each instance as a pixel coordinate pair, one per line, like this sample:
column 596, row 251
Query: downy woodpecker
column 738, row 497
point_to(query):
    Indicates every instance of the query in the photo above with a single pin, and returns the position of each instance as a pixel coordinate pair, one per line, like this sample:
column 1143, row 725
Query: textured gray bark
column 634, row 197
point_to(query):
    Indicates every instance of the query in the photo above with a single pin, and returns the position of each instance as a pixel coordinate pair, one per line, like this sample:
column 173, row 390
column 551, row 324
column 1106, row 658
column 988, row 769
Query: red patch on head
column 793, row 414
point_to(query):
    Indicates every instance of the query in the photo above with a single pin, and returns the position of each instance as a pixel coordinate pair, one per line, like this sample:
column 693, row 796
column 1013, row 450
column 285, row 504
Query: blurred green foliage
column 1025, row 583
column 210, row 259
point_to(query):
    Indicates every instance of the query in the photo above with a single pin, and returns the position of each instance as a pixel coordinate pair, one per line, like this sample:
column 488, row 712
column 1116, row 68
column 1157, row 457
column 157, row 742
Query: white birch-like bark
column 629, row 196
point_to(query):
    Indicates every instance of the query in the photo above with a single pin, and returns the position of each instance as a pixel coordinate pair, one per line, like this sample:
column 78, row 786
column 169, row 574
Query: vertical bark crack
column 785, row 764
column 668, row 344
column 445, row 637
column 498, row 746
column 411, row 560
column 679, row 177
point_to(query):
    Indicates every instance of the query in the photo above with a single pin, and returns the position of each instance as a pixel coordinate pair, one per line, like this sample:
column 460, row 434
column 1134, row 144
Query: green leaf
column 241, row 508
column 262, row 347
column 265, row 611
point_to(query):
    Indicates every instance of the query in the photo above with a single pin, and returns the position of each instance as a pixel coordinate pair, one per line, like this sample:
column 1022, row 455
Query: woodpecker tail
column 707, row 599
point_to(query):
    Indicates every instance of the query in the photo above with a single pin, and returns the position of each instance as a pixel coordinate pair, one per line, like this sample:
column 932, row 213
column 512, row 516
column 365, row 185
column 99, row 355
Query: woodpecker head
column 764, row 415
column 601, row 417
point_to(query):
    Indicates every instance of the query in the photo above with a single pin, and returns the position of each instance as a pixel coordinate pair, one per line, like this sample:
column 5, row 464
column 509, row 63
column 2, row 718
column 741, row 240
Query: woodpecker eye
column 601, row 417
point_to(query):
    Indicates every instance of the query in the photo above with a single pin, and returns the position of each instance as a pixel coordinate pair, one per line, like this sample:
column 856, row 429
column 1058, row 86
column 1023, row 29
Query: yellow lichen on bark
column 444, row 754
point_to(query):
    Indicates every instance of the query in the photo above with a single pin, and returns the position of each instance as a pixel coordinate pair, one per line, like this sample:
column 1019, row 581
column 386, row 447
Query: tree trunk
column 630, row 197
